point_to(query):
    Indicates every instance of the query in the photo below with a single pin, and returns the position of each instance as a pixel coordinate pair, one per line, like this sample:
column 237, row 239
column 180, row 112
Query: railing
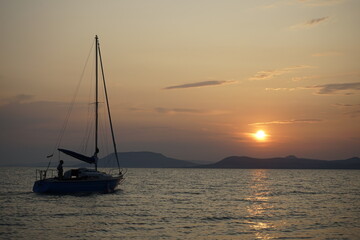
column 43, row 174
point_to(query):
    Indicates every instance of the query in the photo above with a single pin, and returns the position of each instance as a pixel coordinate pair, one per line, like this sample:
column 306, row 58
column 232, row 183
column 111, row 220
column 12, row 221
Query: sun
column 260, row 135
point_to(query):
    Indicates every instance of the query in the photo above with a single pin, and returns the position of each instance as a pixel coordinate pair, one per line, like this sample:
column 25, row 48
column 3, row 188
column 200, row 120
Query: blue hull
column 56, row 186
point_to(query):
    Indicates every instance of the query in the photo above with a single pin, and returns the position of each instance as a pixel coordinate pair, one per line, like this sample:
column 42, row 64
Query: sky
column 194, row 80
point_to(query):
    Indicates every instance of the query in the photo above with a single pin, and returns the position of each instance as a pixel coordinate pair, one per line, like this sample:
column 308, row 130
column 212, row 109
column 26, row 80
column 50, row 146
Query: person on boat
column 60, row 169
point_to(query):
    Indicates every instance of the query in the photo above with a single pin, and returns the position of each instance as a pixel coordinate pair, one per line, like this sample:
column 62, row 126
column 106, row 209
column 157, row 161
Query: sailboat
column 84, row 180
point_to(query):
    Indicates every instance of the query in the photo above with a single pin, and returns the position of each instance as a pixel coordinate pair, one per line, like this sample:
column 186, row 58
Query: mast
column 109, row 113
column 96, row 100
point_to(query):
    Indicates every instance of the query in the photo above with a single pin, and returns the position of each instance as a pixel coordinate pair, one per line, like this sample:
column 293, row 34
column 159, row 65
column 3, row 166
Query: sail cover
column 78, row 156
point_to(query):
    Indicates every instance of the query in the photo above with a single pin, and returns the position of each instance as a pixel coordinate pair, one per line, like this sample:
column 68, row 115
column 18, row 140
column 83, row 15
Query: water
column 189, row 204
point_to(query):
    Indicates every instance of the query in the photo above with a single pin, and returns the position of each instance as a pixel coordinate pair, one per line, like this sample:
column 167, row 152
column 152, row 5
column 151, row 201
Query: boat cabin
column 85, row 173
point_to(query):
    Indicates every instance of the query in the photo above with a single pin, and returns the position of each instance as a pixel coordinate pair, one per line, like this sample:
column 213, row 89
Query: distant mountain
column 158, row 160
column 290, row 162
column 144, row 160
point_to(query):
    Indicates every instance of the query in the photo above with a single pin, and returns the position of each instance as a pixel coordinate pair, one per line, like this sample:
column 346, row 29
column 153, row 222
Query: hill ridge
column 148, row 159
column 289, row 162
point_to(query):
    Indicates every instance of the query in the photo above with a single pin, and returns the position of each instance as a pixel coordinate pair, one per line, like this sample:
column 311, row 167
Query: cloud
column 353, row 114
column 298, row 79
column 310, row 23
column 17, row 99
column 337, row 88
column 352, row 110
column 343, row 105
column 280, row 89
column 179, row 110
column 269, row 74
column 326, row 54
column 292, row 121
column 264, row 75
column 201, row 84
column 318, row 3
column 316, row 21
column 307, row 3
column 351, row 75
column 297, row 67
column 192, row 111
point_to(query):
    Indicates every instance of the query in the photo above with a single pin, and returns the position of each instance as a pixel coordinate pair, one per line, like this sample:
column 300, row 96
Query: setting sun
column 260, row 135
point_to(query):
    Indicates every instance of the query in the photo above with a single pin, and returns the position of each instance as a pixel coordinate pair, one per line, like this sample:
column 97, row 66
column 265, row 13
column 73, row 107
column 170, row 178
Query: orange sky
column 190, row 79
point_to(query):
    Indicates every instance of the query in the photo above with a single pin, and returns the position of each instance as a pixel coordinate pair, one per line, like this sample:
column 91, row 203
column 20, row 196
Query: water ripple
column 189, row 204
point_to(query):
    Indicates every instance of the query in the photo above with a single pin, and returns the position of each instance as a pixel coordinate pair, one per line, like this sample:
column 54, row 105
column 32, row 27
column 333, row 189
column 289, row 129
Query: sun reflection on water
column 259, row 207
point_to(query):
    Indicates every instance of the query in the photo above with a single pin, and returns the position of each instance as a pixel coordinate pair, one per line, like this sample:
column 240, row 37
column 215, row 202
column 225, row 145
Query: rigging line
column 103, row 131
column 90, row 132
column 64, row 125
column 107, row 144
column 88, row 128
column 87, row 132
column 89, row 119
column 104, row 134
column 73, row 100
column 108, row 108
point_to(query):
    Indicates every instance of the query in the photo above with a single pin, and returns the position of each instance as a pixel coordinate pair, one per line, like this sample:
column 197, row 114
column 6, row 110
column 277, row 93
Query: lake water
column 189, row 204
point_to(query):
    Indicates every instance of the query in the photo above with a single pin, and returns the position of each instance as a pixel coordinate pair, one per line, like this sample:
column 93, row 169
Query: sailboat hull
column 56, row 186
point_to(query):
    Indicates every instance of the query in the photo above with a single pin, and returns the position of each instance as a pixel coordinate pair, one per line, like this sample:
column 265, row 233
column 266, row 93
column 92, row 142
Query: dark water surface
column 189, row 204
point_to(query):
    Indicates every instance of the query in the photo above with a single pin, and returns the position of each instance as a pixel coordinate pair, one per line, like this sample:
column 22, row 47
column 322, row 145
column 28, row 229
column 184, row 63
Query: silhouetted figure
column 60, row 169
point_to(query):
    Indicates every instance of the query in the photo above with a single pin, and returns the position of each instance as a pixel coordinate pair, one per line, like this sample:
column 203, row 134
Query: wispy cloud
column 178, row 110
column 22, row 113
column 346, row 105
column 326, row 54
column 318, row 3
column 269, row 74
column 201, row 84
column 316, row 21
column 292, row 121
column 188, row 111
column 302, row 78
column 17, row 99
column 349, row 75
column 354, row 114
column 191, row 111
column 337, row 88
column 311, row 23
column 280, row 89
column 352, row 110
column 307, row 3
